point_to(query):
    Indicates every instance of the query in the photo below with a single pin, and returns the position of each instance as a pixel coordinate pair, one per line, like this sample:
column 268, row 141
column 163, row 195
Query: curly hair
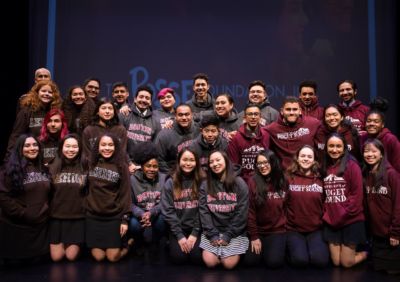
column 32, row 100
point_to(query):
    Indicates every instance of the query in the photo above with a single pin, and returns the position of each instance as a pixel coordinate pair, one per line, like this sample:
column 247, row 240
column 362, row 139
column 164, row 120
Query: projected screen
column 164, row 43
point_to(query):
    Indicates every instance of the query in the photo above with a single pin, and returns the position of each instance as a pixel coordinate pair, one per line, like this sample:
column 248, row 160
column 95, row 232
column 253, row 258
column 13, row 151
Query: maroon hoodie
column 314, row 110
column 356, row 113
column 286, row 140
column 353, row 142
column 268, row 218
column 383, row 205
column 391, row 145
column 244, row 147
column 304, row 206
column 343, row 196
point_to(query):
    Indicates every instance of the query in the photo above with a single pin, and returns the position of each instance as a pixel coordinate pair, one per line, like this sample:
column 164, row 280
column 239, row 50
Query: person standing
column 166, row 114
column 309, row 100
column 202, row 99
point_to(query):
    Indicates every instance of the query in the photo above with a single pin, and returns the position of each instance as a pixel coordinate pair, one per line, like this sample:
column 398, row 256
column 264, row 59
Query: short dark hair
column 251, row 105
column 290, row 99
column 119, row 84
column 257, row 82
column 89, row 79
column 201, row 76
column 144, row 88
column 308, row 83
column 351, row 82
column 209, row 119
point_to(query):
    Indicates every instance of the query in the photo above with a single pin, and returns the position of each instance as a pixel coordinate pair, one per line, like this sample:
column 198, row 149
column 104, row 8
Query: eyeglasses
column 253, row 114
column 262, row 164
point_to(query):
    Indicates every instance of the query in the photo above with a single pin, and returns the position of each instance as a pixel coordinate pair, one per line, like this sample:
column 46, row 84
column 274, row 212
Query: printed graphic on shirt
column 148, row 199
column 32, row 177
column 335, row 188
column 219, row 207
column 35, row 122
column 306, row 188
column 50, row 152
column 106, row 174
column 382, row 190
column 249, row 156
column 294, row 134
column 181, row 204
column 71, row 178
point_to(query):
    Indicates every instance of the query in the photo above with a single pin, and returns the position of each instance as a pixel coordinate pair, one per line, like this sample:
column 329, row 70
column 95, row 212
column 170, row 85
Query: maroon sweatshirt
column 314, row 110
column 356, row 113
column 244, row 147
column 286, row 139
column 343, row 196
column 383, row 205
column 269, row 218
column 391, row 145
column 353, row 143
column 304, row 206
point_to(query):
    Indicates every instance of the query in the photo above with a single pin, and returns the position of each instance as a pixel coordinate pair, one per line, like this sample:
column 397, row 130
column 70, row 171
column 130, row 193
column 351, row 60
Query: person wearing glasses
column 248, row 142
column 266, row 218
column 291, row 131
column 258, row 96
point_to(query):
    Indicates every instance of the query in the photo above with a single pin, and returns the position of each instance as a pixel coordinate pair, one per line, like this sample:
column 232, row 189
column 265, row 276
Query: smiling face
column 150, row 169
column 307, row 95
column 45, row 94
column 252, row 117
column 106, row 147
column 78, row 96
column 167, row 102
column 200, row 88
column 374, row 124
column 290, row 112
column 143, row 100
column 92, row 89
column 222, row 106
column 305, row 159
column 120, row 94
column 335, row 148
column 263, row 165
column 70, row 148
column 187, row 163
column 346, row 92
column 333, row 118
column 217, row 163
column 257, row 94
column 372, row 155
column 183, row 116
column 30, row 149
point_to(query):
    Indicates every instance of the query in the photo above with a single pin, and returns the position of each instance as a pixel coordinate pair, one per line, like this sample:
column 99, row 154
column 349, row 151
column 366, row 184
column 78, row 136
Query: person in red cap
column 166, row 114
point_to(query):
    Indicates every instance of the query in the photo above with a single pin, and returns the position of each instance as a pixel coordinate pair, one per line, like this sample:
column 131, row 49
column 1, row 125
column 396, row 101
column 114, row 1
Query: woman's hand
column 256, row 246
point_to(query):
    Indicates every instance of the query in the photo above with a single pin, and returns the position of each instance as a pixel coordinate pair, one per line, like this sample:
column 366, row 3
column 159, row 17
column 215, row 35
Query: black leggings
column 179, row 257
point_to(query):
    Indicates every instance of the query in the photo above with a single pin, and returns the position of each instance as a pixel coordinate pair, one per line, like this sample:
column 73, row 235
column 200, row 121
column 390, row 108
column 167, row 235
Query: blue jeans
column 150, row 234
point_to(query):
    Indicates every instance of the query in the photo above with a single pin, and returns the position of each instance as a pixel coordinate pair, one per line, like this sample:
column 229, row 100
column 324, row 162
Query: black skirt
column 385, row 256
column 18, row 242
column 352, row 234
column 67, row 231
column 103, row 233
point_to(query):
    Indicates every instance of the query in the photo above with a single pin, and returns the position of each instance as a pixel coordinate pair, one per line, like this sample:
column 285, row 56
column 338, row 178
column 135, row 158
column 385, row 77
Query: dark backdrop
column 163, row 43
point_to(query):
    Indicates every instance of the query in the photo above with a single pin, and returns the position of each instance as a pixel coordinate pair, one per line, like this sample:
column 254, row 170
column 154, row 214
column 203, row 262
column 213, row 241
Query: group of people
column 304, row 185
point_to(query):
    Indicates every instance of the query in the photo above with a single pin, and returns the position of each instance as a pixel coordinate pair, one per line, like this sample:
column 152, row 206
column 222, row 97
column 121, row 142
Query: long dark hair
column 328, row 161
column 17, row 163
column 213, row 179
column 117, row 158
column 276, row 178
column 197, row 175
column 60, row 161
column 379, row 176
